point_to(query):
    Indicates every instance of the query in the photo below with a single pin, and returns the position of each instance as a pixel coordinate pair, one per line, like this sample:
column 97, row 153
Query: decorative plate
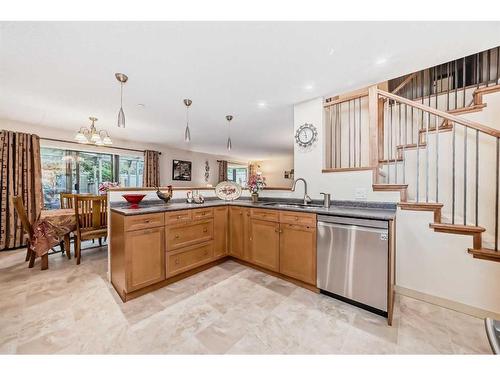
column 228, row 191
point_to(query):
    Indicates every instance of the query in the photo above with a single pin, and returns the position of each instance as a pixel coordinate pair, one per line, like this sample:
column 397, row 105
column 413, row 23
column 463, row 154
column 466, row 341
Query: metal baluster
column 465, row 175
column 498, row 65
column 349, row 126
column 412, row 98
column 496, row 199
column 488, row 66
column 418, row 161
column 456, row 83
column 333, row 118
column 354, row 135
column 427, row 157
column 477, row 177
column 360, row 122
column 387, row 136
column 340, row 135
column 478, row 72
column 404, row 144
column 463, row 80
column 441, row 84
column 448, row 86
column 437, row 158
column 396, row 143
column 453, row 175
column 390, row 141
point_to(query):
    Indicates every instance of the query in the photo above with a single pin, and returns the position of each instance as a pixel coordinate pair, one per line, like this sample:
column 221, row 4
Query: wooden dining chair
column 28, row 230
column 92, row 220
column 67, row 200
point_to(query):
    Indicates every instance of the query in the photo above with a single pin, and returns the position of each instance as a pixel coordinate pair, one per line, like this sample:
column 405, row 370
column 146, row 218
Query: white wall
column 274, row 169
column 436, row 264
column 168, row 154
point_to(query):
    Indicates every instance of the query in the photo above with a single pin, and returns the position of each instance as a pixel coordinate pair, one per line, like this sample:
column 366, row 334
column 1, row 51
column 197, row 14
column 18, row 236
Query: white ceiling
column 58, row 73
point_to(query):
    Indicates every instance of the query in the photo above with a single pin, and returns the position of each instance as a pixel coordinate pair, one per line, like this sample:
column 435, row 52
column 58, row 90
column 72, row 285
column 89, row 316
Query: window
column 81, row 172
column 237, row 174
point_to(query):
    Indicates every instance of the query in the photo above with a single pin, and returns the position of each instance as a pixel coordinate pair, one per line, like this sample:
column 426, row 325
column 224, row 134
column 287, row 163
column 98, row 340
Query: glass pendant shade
column 80, row 137
column 95, row 138
column 121, row 118
column 187, row 134
column 107, row 140
column 229, row 144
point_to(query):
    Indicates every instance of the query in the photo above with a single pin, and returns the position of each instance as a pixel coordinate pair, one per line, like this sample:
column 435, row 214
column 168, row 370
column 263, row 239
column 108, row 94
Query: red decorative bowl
column 133, row 199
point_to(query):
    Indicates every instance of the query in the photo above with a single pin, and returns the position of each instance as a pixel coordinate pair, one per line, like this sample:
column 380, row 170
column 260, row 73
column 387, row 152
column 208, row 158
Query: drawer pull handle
column 296, row 218
column 178, row 216
column 176, row 236
column 177, row 261
column 205, row 230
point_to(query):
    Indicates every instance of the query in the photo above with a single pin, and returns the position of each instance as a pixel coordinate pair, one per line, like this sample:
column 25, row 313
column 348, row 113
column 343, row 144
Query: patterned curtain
column 222, row 170
column 20, row 174
column 151, row 175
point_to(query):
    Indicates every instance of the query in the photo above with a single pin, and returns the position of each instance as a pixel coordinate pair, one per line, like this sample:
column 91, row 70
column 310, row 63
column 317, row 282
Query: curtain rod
column 90, row 144
column 233, row 162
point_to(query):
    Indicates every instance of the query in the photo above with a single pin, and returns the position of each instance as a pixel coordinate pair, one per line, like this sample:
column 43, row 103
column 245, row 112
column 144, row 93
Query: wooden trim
column 376, row 121
column 456, row 228
column 402, row 188
column 444, row 115
column 469, row 109
column 446, row 303
column 404, row 83
column 182, row 188
column 411, row 146
column 333, row 170
column 388, row 161
column 275, row 274
column 345, row 99
column 423, row 206
column 485, row 254
column 478, row 94
column 90, row 144
column 391, row 272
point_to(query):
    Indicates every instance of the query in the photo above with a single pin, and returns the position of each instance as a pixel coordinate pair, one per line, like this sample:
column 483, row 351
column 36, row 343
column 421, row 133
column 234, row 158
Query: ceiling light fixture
column 92, row 135
column 122, row 78
column 229, row 145
column 381, row 61
column 308, row 87
column 262, row 104
column 187, row 133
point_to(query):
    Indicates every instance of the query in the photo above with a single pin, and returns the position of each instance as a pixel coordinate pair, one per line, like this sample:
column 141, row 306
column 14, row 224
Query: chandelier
column 92, row 135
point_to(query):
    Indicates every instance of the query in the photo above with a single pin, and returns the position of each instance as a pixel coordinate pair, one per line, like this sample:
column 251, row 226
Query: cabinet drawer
column 301, row 218
column 203, row 213
column 189, row 234
column 183, row 260
column 143, row 221
column 262, row 214
column 177, row 217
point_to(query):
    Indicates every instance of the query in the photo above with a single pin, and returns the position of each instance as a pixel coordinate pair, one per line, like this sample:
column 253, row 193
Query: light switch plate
column 360, row 194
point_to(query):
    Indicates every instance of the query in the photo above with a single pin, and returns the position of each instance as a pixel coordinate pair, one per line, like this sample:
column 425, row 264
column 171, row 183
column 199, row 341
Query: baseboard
column 446, row 303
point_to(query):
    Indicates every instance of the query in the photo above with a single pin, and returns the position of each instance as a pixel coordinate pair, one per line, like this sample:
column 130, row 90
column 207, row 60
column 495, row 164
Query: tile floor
column 226, row 309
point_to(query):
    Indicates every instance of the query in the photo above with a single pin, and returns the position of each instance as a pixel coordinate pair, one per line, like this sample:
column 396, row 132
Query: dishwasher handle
column 369, row 223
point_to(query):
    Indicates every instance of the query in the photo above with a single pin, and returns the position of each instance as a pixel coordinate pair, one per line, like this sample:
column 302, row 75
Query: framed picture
column 181, row 170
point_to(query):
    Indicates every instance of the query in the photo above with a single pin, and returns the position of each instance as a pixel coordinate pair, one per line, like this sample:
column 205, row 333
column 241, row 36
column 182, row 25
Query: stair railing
column 469, row 140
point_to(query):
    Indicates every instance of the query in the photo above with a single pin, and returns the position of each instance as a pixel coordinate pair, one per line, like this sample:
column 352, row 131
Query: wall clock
column 306, row 135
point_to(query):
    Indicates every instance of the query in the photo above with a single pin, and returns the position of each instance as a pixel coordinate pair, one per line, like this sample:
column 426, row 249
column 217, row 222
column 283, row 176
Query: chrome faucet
column 307, row 199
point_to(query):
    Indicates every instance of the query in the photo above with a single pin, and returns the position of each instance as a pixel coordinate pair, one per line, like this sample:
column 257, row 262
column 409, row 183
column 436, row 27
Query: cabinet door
column 179, row 236
column 236, row 232
column 265, row 244
column 220, row 231
column 298, row 252
column 247, row 246
column 145, row 257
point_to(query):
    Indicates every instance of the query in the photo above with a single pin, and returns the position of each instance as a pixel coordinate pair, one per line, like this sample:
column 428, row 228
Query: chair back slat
column 21, row 212
column 67, row 200
column 91, row 212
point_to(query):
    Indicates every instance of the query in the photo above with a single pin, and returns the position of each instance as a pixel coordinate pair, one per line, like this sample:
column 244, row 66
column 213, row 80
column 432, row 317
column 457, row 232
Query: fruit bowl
column 133, row 199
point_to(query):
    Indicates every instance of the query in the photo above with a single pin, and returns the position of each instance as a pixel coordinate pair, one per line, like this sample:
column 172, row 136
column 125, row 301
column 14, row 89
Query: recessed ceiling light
column 381, row 61
column 308, row 87
column 141, row 105
column 262, row 104
column 331, row 52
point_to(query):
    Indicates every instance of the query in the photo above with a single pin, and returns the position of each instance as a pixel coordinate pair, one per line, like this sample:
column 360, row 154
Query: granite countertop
column 357, row 209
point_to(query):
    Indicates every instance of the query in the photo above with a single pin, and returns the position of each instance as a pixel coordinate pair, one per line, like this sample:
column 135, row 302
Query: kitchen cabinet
column 297, row 257
column 239, row 232
column 265, row 243
column 221, row 216
column 188, row 258
column 182, row 235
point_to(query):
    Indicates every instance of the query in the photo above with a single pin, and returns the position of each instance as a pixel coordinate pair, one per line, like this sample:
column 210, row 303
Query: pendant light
column 122, row 78
column 229, row 144
column 92, row 135
column 187, row 133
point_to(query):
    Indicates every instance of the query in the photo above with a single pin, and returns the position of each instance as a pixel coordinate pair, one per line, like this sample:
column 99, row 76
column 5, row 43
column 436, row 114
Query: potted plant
column 255, row 184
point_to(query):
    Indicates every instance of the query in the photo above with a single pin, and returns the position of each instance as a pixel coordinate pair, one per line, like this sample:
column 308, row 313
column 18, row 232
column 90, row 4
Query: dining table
column 50, row 229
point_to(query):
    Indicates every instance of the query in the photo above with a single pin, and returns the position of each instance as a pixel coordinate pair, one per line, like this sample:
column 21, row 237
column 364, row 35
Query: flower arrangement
column 256, row 183
column 105, row 186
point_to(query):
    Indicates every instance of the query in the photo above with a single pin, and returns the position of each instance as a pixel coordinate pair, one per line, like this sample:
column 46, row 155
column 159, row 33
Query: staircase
column 427, row 149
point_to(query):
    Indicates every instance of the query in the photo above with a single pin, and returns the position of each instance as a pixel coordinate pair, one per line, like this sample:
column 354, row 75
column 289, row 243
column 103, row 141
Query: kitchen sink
column 291, row 205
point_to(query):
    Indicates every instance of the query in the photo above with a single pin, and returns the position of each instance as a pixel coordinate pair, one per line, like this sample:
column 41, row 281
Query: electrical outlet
column 360, row 194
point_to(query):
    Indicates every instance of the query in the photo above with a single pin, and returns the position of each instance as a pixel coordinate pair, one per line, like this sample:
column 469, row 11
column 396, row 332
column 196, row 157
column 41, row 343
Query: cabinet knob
column 178, row 216
column 296, row 218
column 205, row 230
column 176, row 236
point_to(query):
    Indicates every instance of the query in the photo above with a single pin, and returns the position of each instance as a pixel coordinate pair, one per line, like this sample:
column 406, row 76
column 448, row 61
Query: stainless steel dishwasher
column 353, row 256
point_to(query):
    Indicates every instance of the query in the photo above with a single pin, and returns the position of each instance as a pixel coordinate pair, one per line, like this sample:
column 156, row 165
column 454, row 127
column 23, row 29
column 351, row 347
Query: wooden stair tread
column 442, row 128
column 485, row 254
column 411, row 145
column 469, row 109
column 456, row 228
column 387, row 161
column 487, row 89
column 389, row 186
column 421, row 205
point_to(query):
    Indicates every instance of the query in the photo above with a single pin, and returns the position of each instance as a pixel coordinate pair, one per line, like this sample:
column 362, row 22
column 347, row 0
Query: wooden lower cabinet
column 183, row 235
column 265, row 244
column 179, row 261
column 298, row 252
column 239, row 232
column 145, row 258
column 220, row 231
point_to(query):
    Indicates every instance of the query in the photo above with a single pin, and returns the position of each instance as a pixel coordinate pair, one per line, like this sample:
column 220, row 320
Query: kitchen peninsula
column 158, row 244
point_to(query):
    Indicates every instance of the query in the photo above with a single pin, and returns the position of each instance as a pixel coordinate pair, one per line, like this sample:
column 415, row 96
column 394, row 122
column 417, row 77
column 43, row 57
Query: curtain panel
column 20, row 174
column 222, row 170
column 151, row 175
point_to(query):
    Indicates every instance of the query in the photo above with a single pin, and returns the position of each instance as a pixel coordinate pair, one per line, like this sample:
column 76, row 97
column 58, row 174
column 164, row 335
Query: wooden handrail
column 403, row 84
column 462, row 121
column 346, row 99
